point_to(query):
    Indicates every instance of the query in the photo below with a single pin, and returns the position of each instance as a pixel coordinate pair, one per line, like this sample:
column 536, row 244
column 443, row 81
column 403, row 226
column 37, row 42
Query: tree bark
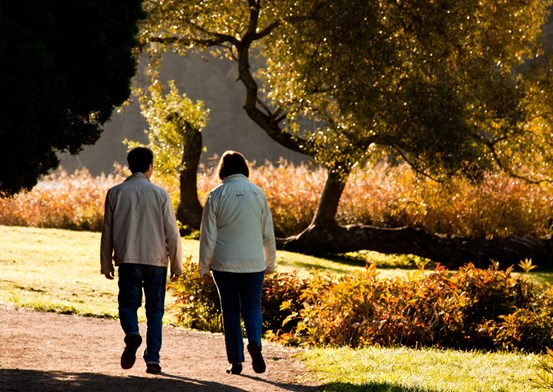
column 189, row 211
column 452, row 252
column 330, row 199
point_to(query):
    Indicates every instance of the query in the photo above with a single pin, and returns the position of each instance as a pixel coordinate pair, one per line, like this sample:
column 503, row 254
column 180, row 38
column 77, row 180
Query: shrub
column 279, row 289
column 196, row 302
column 469, row 309
column 544, row 373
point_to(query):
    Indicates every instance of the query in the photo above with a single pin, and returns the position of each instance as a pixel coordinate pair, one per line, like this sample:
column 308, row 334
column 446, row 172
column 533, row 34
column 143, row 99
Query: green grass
column 428, row 370
column 59, row 271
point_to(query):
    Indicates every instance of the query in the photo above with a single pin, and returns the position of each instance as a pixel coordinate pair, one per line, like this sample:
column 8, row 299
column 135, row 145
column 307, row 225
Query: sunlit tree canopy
column 449, row 86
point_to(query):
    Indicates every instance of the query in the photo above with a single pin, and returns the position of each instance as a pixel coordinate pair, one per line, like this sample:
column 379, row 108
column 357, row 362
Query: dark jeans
column 240, row 294
column 133, row 278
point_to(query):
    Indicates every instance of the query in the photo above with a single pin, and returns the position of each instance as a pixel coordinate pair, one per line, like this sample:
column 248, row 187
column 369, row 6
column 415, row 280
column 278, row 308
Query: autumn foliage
column 383, row 195
column 472, row 308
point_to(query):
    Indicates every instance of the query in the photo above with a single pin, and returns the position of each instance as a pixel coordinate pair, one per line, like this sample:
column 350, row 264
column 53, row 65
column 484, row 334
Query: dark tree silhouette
column 64, row 67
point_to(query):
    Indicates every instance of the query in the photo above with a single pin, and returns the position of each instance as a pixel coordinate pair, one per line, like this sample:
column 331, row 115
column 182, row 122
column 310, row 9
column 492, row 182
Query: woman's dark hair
column 232, row 162
column 140, row 159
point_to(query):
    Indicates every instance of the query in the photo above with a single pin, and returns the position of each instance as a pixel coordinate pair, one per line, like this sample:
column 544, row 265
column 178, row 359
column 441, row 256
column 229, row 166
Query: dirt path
column 53, row 352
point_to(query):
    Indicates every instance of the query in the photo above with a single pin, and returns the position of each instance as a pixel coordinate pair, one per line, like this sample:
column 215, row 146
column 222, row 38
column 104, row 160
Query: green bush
column 196, row 302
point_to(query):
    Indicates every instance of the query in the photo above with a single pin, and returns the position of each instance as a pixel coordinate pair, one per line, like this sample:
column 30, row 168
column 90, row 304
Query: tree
column 65, row 66
column 450, row 87
column 174, row 135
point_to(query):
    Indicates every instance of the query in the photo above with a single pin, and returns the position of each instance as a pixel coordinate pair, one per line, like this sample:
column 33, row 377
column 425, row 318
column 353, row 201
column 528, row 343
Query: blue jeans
column 240, row 294
column 133, row 278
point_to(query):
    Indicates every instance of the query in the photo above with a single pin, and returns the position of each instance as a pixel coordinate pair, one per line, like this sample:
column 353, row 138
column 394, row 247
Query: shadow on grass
column 370, row 387
column 49, row 381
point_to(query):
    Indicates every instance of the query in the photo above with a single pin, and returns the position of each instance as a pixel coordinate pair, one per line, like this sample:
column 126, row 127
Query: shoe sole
column 128, row 358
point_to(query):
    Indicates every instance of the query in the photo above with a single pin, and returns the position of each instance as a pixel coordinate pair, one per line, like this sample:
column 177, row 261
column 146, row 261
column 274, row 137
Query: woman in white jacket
column 237, row 245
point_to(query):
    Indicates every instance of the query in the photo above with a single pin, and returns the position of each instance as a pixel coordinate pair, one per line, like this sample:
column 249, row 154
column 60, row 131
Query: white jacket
column 140, row 226
column 237, row 233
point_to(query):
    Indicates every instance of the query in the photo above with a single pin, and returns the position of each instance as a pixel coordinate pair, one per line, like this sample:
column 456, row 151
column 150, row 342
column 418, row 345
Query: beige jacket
column 237, row 233
column 139, row 227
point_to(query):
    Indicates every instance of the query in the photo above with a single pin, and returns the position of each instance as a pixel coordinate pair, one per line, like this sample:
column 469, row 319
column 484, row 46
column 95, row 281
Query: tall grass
column 61, row 200
column 382, row 195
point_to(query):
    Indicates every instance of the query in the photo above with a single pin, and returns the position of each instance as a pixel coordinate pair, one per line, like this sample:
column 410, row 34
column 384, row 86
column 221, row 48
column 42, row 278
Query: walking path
column 53, row 352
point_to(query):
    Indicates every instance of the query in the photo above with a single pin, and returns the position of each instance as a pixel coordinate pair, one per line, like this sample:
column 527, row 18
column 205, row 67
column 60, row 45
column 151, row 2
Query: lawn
column 428, row 370
column 59, row 271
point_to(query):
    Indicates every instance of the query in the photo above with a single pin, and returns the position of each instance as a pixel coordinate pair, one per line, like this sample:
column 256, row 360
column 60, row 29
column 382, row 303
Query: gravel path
column 54, row 352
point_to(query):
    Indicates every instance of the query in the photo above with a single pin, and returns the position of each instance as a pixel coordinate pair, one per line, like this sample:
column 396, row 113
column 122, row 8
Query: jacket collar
column 138, row 176
column 235, row 177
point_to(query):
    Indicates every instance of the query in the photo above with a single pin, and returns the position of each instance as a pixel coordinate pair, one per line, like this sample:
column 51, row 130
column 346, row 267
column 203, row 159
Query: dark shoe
column 129, row 354
column 236, row 368
column 258, row 362
column 153, row 368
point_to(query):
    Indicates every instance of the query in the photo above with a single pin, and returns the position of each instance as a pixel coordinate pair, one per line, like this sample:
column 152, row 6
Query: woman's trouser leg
column 229, row 295
column 251, row 287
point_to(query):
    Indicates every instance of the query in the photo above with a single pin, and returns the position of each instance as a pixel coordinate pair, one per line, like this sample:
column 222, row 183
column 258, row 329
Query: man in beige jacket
column 140, row 234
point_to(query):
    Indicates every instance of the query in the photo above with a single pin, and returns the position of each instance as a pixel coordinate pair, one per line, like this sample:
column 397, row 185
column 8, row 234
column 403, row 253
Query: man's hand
column 207, row 277
column 110, row 275
column 175, row 277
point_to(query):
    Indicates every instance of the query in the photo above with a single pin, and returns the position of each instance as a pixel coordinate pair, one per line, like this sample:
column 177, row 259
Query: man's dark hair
column 232, row 162
column 140, row 159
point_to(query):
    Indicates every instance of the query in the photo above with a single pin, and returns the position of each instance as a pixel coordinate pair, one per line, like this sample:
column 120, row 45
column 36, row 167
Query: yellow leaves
column 444, row 309
column 173, row 119
column 544, row 374
column 527, row 265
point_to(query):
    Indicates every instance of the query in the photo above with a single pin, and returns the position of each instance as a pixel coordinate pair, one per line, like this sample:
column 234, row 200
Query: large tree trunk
column 330, row 199
column 449, row 251
column 324, row 235
column 189, row 211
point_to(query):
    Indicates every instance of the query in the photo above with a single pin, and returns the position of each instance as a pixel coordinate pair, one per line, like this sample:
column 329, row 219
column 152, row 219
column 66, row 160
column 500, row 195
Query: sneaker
column 153, row 368
column 258, row 363
column 236, row 368
column 129, row 354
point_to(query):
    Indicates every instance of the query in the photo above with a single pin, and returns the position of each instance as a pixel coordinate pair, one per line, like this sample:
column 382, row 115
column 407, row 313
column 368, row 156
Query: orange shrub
column 470, row 309
column 391, row 196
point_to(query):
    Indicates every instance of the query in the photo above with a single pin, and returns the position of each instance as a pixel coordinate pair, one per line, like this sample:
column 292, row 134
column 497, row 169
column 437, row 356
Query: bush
column 279, row 289
column 382, row 195
column 469, row 309
column 544, row 373
column 196, row 302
